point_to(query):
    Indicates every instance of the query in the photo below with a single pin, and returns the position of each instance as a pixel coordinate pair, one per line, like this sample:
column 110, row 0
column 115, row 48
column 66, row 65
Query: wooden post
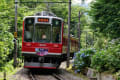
column 99, row 76
column 4, row 74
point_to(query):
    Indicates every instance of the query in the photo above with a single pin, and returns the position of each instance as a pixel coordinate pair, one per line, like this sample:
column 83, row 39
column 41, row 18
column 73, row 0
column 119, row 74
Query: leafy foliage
column 106, row 18
column 83, row 59
column 6, row 38
column 107, row 59
column 106, row 24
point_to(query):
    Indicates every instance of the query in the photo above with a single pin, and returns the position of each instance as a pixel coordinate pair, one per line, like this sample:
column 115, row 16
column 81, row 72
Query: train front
column 42, row 42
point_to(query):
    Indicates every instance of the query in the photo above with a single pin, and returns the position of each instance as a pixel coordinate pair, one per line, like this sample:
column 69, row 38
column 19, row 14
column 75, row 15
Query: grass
column 9, row 70
column 9, row 74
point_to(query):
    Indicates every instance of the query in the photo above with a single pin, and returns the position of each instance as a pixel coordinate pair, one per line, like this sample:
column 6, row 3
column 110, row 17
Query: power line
column 39, row 2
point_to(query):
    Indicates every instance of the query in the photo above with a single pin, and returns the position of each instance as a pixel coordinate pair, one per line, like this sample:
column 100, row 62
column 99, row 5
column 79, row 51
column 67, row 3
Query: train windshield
column 42, row 33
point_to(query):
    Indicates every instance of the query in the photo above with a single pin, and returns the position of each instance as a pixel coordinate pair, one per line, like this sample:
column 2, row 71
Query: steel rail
column 57, row 76
column 32, row 76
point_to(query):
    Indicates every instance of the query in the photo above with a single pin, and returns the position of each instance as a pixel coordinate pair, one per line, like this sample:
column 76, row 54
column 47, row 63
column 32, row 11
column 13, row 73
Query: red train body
column 43, row 42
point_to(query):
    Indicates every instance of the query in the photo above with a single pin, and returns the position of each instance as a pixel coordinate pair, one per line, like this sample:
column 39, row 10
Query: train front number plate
column 41, row 51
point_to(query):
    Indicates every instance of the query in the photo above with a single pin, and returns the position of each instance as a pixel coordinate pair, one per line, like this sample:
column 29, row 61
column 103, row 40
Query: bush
column 83, row 59
column 6, row 45
column 107, row 59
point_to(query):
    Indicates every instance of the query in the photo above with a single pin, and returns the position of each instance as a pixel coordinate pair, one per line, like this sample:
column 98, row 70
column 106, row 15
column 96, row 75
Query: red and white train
column 43, row 42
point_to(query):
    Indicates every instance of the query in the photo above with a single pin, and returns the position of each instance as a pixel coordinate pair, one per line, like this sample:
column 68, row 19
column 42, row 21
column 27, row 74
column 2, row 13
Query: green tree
column 6, row 38
column 106, row 18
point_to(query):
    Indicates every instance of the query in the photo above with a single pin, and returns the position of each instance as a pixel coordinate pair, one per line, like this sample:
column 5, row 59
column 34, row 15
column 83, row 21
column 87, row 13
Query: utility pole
column 47, row 6
column 93, row 38
column 68, row 45
column 15, row 36
column 79, row 32
column 86, row 39
column 4, row 75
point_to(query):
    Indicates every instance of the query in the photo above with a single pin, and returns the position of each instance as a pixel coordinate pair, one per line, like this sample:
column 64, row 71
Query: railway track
column 58, row 77
column 54, row 76
column 43, row 74
column 32, row 76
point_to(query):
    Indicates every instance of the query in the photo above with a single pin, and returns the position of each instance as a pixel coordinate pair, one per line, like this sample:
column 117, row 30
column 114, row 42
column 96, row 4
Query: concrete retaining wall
column 94, row 75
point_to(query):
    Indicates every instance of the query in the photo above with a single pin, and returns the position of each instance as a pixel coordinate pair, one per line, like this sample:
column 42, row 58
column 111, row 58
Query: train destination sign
column 43, row 20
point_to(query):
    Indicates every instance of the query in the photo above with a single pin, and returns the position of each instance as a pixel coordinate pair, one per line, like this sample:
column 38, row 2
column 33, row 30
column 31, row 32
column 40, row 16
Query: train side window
column 28, row 29
column 56, row 33
column 28, row 35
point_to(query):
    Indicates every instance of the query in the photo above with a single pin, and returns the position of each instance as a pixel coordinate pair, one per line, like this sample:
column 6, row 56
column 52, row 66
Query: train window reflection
column 56, row 31
column 28, row 30
column 42, row 33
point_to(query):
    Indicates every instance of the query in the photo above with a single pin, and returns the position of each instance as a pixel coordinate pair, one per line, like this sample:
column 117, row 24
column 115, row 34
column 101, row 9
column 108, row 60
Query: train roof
column 44, row 14
column 42, row 17
column 72, row 38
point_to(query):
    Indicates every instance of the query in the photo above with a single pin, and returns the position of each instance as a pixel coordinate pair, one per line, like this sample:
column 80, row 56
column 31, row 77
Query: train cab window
column 42, row 33
column 56, row 32
column 28, row 29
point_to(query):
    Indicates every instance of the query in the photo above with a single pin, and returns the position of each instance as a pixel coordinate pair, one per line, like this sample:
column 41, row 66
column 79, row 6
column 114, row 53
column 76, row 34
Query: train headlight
column 28, row 44
column 55, row 45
